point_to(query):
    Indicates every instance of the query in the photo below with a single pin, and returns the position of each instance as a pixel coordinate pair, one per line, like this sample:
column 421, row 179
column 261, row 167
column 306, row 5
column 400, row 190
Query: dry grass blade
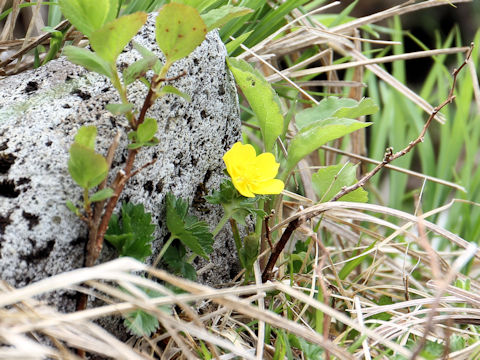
column 354, row 64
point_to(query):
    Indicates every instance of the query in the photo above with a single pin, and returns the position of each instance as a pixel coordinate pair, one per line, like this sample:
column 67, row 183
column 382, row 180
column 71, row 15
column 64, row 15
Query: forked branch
column 387, row 159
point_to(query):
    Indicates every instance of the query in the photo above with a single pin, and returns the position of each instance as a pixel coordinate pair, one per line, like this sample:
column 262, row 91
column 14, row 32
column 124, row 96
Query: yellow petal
column 242, row 187
column 238, row 157
column 273, row 186
column 265, row 167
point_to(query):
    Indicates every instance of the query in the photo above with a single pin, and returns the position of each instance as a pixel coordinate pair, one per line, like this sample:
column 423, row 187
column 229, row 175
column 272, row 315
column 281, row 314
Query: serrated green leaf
column 177, row 262
column 328, row 181
column 119, row 241
column 188, row 229
column 86, row 167
column 132, row 235
column 235, row 205
column 88, row 15
column 102, row 195
column 216, row 18
column 335, row 107
column 119, row 109
column 262, row 99
column 179, row 30
column 233, row 45
column 169, row 89
column 88, row 60
column 109, row 41
column 311, row 137
column 138, row 69
column 140, row 323
column 86, row 136
column 146, row 130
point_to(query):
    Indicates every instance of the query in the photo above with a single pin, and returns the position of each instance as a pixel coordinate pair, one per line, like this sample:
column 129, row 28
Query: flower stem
column 236, row 235
column 259, row 222
column 164, row 249
column 220, row 225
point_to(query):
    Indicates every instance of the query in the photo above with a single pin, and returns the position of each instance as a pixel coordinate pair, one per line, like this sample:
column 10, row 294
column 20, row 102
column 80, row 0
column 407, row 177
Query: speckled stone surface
column 40, row 112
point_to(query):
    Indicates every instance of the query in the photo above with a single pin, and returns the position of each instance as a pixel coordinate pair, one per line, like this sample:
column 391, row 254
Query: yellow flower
column 252, row 174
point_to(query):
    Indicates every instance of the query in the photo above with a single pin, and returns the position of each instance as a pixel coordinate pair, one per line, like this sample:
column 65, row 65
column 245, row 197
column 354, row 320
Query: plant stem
column 164, row 249
column 220, row 225
column 236, row 235
column 259, row 222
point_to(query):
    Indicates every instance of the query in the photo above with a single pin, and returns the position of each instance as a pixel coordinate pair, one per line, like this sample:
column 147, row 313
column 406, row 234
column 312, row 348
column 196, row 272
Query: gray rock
column 40, row 113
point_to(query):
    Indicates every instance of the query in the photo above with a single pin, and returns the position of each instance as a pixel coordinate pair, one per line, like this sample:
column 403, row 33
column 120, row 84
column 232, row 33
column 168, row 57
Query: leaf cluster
column 132, row 233
column 235, row 205
column 191, row 234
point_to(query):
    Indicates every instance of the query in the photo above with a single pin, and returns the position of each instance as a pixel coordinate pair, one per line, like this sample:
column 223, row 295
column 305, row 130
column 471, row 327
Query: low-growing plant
column 263, row 188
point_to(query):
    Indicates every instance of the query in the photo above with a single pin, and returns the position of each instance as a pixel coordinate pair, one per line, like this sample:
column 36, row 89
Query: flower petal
column 273, row 186
column 238, row 157
column 243, row 187
column 265, row 167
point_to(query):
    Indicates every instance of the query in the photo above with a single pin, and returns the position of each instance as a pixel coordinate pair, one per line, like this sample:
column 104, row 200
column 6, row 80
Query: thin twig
column 388, row 158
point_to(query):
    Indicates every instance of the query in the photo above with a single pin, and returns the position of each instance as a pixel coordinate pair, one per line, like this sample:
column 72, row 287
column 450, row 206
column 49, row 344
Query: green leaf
column 56, row 42
column 140, row 323
column 216, row 18
column 169, row 89
column 352, row 264
column 328, row 181
column 86, row 136
column 189, row 230
column 73, row 208
column 234, row 44
column 311, row 137
column 138, row 69
column 88, row 15
column 146, row 130
column 88, row 60
column 200, row 5
column 262, row 99
column 176, row 260
column 249, row 252
column 335, row 107
column 235, row 205
column 109, row 41
column 86, row 167
column 132, row 235
column 179, row 30
column 102, row 195
column 148, row 54
column 119, row 109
